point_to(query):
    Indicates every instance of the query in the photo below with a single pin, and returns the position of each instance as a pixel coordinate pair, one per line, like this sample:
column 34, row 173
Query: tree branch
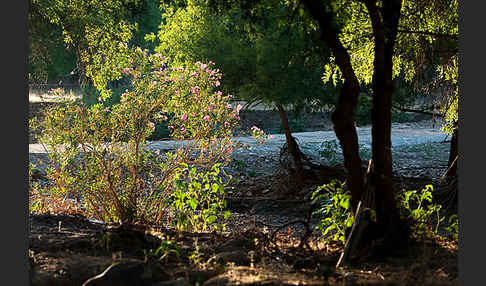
column 421, row 111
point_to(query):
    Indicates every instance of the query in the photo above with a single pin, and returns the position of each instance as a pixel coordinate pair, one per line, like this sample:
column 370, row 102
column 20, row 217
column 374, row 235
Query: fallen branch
column 447, row 173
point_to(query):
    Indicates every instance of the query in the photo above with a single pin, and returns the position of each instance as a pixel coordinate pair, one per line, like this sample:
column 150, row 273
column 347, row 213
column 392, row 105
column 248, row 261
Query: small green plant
column 453, row 227
column 252, row 173
column 331, row 151
column 418, row 205
column 196, row 255
column 240, row 165
column 333, row 211
column 163, row 251
column 198, row 200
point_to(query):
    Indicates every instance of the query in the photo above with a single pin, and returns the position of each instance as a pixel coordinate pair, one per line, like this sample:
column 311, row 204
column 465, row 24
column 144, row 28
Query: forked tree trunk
column 292, row 146
column 342, row 117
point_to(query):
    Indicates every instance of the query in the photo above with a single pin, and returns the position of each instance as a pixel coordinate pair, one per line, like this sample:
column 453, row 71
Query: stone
column 201, row 276
column 177, row 282
column 217, row 281
column 122, row 274
column 349, row 279
column 239, row 243
column 238, row 257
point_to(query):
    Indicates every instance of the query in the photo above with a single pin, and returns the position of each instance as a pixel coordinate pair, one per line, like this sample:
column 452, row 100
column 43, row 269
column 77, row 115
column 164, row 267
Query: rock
column 325, row 272
column 201, row 276
column 349, row 279
column 177, row 282
column 220, row 280
column 240, row 243
column 305, row 263
column 122, row 274
column 238, row 257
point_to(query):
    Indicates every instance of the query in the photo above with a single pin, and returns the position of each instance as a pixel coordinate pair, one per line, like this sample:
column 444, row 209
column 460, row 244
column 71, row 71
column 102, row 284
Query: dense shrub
column 98, row 159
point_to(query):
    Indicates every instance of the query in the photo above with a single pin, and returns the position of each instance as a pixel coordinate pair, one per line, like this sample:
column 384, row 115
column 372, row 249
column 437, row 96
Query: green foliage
column 453, row 228
column 331, row 150
column 196, row 255
column 334, row 210
column 418, row 205
column 268, row 58
column 98, row 155
column 166, row 247
column 198, row 199
column 94, row 30
column 451, row 117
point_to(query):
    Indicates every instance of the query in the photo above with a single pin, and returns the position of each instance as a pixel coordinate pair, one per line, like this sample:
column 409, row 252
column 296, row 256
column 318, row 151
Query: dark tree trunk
column 342, row 117
column 452, row 155
column 384, row 22
column 292, row 146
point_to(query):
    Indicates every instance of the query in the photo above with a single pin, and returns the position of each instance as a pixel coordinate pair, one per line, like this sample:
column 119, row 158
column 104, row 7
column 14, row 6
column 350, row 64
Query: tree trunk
column 342, row 117
column 292, row 146
column 454, row 151
column 384, row 22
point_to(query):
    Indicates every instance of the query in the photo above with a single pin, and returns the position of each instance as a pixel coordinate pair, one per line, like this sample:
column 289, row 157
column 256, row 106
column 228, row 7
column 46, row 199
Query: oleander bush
column 98, row 159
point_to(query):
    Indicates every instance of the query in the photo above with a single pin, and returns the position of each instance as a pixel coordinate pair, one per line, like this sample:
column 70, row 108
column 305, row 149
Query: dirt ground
column 69, row 249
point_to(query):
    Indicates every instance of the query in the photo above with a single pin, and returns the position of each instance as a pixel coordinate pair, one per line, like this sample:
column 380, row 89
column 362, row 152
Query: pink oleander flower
column 227, row 124
column 211, row 63
column 195, row 89
column 157, row 152
column 217, row 83
column 164, row 117
column 180, row 68
column 230, row 96
column 212, row 104
column 206, row 117
column 203, row 66
column 195, row 74
column 152, row 125
column 125, row 70
column 170, row 127
column 229, row 106
column 184, row 117
column 183, row 129
column 219, row 93
column 210, row 109
column 154, row 82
